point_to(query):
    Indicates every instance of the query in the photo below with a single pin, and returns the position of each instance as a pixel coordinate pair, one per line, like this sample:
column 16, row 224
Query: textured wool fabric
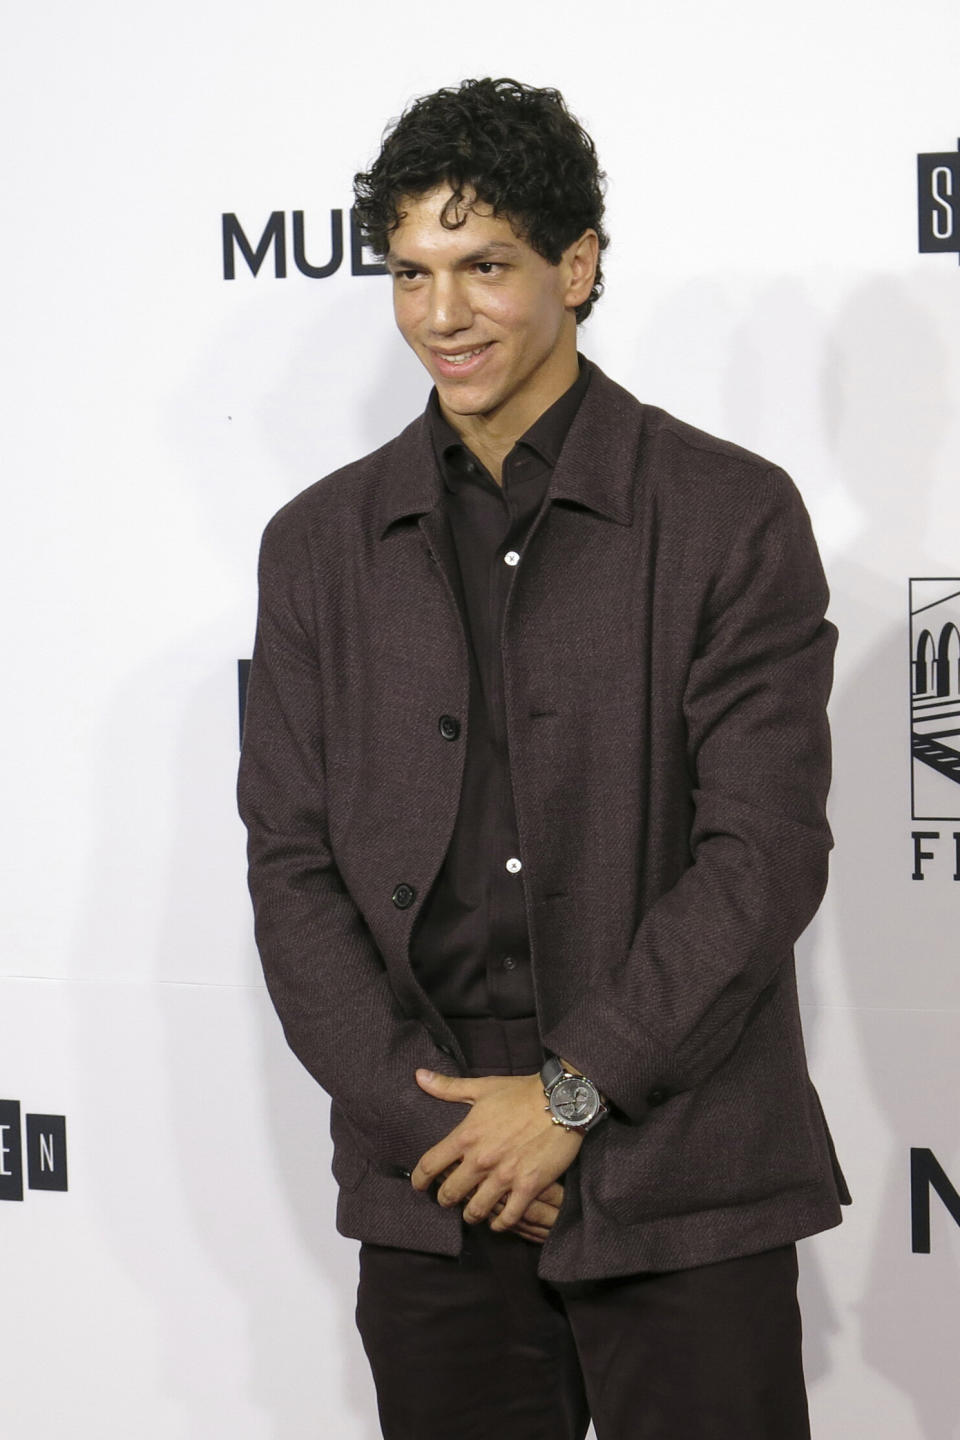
column 666, row 670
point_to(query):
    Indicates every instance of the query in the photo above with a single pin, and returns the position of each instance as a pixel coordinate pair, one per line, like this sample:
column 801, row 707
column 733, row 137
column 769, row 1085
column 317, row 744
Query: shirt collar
column 598, row 467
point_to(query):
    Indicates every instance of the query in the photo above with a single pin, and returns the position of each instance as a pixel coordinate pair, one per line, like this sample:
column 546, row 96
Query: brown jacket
column 666, row 668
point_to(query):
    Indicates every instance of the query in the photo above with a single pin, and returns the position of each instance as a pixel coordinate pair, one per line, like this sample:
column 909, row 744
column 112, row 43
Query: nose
column 450, row 308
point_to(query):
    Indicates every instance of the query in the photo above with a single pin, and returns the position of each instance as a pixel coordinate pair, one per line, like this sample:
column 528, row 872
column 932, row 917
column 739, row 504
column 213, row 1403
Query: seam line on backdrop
column 249, row 985
column 888, row 1009
column 117, row 980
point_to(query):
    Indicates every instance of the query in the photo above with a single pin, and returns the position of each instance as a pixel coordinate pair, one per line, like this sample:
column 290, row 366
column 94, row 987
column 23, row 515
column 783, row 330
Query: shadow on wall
column 879, row 377
column 886, row 390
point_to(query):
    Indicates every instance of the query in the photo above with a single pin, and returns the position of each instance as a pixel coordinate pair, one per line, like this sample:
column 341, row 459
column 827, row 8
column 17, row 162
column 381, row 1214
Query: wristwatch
column 573, row 1101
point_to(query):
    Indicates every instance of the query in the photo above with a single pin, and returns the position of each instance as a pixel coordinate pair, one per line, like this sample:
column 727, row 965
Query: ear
column 580, row 259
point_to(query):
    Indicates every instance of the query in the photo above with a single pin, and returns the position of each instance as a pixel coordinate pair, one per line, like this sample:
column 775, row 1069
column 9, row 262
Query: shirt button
column 513, row 865
column 403, row 895
column 511, row 557
column 509, row 963
column 449, row 727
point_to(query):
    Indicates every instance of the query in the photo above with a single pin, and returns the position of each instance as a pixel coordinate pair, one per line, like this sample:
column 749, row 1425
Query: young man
column 534, row 770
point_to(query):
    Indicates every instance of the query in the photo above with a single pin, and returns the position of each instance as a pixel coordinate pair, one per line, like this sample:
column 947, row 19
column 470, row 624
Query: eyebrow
column 495, row 250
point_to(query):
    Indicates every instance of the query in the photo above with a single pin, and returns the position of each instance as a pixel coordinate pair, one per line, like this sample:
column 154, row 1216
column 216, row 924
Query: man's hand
column 506, row 1150
column 538, row 1219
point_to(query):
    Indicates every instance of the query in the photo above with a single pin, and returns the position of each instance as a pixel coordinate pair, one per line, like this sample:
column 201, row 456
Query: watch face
column 575, row 1101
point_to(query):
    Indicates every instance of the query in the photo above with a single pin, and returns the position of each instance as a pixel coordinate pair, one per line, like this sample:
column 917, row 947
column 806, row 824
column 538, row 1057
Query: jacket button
column 449, row 727
column 656, row 1096
column 403, row 895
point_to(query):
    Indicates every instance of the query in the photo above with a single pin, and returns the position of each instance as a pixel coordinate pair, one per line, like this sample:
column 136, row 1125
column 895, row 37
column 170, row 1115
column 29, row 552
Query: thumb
column 446, row 1087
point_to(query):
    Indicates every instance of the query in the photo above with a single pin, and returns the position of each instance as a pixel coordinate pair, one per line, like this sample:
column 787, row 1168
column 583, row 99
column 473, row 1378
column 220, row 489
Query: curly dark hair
column 518, row 149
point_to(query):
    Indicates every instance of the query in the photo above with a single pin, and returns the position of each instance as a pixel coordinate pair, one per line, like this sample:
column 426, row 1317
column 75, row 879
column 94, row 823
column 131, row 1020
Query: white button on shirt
column 513, row 865
column 511, row 557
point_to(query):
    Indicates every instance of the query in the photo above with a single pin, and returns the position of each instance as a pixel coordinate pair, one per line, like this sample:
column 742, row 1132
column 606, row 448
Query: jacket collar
column 596, row 467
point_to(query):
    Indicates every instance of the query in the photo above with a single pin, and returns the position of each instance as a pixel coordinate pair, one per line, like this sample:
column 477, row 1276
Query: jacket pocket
column 749, row 1132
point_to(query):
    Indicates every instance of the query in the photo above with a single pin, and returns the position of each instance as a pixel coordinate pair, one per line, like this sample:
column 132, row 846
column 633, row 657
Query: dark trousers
column 477, row 1347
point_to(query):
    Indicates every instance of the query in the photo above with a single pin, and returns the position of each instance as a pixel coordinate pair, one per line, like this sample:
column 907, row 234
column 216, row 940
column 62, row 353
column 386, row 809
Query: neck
column 491, row 436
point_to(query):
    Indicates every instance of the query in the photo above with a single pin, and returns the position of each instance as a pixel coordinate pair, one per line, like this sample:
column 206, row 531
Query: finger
column 449, row 1198
column 541, row 1215
column 436, row 1164
column 447, row 1087
column 457, row 1187
column 480, row 1205
column 530, row 1232
column 553, row 1195
column 514, row 1209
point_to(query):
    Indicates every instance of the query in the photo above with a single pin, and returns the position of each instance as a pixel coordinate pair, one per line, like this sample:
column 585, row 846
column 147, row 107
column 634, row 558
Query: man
column 534, row 770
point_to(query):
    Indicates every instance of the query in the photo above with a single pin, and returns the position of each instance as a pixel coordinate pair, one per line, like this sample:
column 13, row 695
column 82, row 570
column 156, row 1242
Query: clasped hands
column 503, row 1161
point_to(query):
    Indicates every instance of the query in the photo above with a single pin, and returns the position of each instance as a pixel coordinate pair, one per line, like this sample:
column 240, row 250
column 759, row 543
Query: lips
column 462, row 356
column 453, row 364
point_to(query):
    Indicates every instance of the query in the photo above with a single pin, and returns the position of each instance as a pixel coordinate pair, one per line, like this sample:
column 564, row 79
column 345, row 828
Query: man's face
column 492, row 321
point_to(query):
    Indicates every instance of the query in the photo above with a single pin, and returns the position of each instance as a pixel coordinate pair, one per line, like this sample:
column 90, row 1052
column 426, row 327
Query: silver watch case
column 572, row 1100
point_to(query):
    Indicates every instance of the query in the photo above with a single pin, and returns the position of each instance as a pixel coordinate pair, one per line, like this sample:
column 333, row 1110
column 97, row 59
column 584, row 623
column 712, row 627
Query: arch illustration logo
column 935, row 698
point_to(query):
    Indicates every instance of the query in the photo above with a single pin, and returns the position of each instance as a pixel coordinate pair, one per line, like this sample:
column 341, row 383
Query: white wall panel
column 763, row 282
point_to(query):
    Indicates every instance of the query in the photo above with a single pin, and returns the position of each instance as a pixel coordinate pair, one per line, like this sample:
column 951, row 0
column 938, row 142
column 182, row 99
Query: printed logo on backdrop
column 935, row 721
column 938, row 201
column 46, row 1151
column 325, row 246
column 926, row 1175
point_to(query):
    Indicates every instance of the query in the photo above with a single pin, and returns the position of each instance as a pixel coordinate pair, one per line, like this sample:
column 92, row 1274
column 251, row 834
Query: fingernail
column 424, row 1074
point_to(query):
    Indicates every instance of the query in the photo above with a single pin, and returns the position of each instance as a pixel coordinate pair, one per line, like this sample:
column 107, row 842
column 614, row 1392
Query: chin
column 461, row 402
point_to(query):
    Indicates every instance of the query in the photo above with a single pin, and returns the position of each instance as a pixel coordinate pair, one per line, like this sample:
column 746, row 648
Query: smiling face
column 492, row 321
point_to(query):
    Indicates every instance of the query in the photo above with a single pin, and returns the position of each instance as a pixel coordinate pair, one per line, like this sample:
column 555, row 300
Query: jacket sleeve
column 672, row 1009
column 323, row 970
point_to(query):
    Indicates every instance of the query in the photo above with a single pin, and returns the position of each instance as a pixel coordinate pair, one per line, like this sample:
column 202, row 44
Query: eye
column 488, row 267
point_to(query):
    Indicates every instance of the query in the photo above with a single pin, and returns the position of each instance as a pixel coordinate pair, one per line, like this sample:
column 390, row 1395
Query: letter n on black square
column 47, row 1152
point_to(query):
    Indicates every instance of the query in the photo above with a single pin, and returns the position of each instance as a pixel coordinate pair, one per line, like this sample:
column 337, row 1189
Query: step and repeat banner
column 193, row 333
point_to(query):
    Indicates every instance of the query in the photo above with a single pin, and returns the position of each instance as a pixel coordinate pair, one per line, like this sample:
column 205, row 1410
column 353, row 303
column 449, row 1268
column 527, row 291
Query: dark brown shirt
column 470, row 948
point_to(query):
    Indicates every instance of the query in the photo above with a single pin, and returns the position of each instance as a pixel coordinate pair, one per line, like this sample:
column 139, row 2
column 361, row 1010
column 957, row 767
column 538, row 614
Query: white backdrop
column 764, row 283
